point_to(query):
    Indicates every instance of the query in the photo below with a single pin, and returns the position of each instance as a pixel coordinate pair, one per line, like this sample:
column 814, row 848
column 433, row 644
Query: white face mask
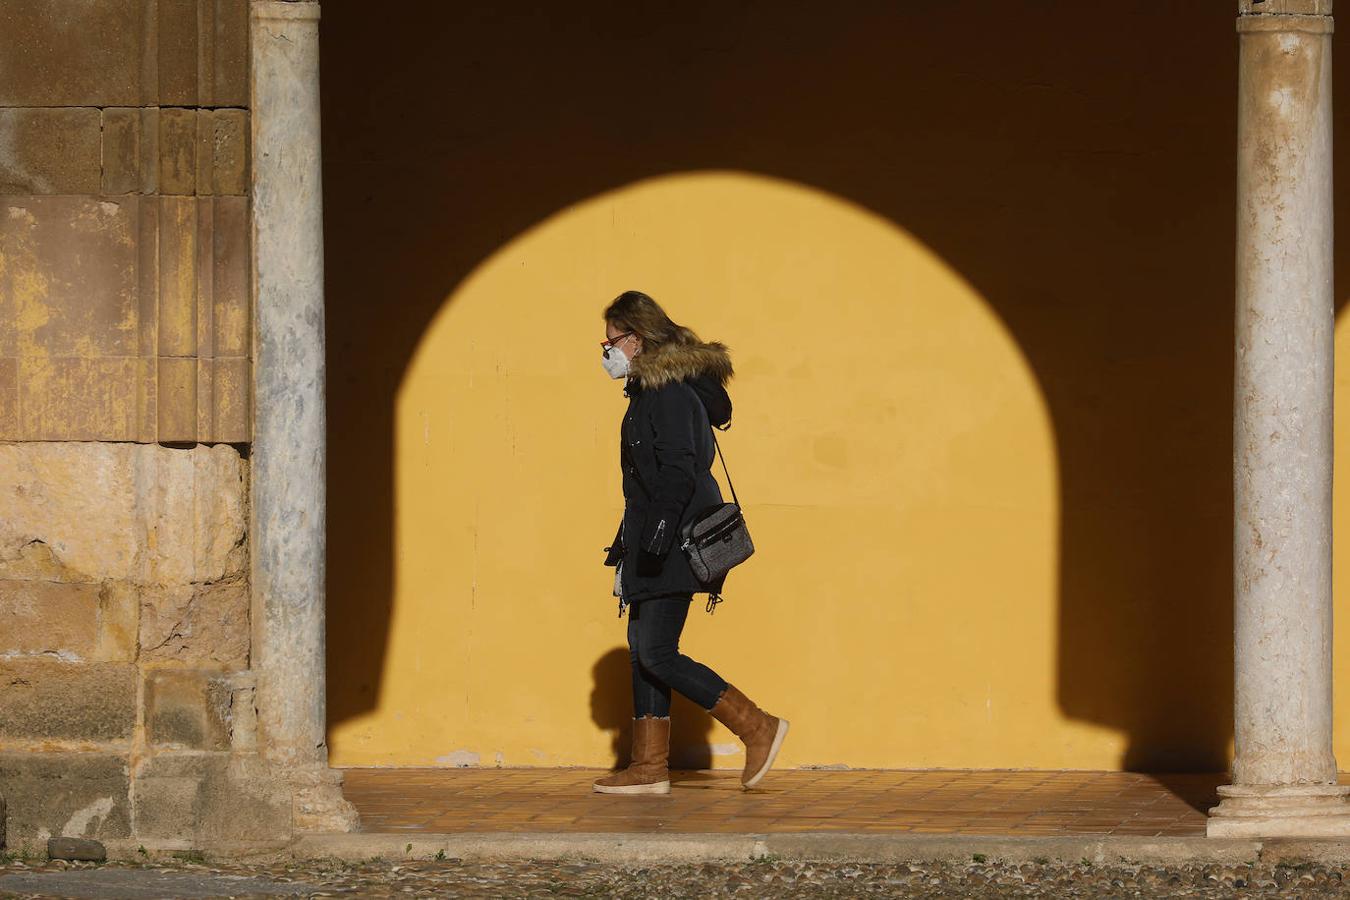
column 615, row 362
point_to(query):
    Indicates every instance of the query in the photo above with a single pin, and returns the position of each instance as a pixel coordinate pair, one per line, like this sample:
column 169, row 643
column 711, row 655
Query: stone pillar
column 1284, row 774
column 288, row 463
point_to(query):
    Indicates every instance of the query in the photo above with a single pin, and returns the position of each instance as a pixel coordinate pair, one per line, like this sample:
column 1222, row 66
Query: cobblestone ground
column 765, row 878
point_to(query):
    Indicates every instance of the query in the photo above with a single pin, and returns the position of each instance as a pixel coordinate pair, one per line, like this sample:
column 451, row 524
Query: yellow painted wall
column 893, row 451
column 1052, row 585
column 1341, row 548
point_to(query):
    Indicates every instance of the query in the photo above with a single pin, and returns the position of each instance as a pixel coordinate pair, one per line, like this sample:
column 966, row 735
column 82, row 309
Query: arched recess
column 1031, row 149
column 893, row 449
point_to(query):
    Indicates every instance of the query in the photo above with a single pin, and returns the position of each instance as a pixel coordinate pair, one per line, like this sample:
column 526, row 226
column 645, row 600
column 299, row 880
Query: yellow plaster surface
column 891, row 445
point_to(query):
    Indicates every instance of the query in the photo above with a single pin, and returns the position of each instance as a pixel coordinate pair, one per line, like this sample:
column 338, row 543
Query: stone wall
column 124, row 310
column 126, row 703
column 126, row 696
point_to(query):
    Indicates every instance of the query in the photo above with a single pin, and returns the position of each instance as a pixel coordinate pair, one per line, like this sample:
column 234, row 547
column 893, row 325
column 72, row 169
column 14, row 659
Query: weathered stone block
column 225, row 53
column 244, row 714
column 98, row 297
column 197, row 624
column 124, row 52
column 177, row 34
column 122, row 151
column 147, row 282
column 73, row 794
column 178, row 263
column 71, row 54
column 230, row 332
column 223, row 392
column 49, row 151
column 76, row 849
column 9, row 395
column 201, row 500
column 211, row 797
column 187, row 708
column 51, row 618
column 70, row 271
column 204, row 314
column 245, row 802
column 177, row 399
column 228, row 153
column 79, row 399
column 36, row 560
column 50, row 700
column 166, row 804
column 118, row 622
column 196, row 510
column 69, row 313
column 70, row 511
column 92, row 511
column 177, row 151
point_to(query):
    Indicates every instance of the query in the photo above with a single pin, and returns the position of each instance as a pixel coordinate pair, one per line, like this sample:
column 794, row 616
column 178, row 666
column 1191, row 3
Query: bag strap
column 714, row 599
column 722, row 456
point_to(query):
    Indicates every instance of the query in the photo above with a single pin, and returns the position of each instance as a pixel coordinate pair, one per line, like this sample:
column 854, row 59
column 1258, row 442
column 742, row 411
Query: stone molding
column 285, row 10
column 1309, row 24
column 1284, row 7
column 1289, row 811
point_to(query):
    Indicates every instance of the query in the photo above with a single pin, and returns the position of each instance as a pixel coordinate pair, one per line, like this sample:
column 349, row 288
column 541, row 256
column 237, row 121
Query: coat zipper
column 656, row 538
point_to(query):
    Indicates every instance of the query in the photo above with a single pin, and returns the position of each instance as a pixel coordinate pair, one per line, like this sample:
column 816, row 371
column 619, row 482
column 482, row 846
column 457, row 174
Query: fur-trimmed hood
column 705, row 367
column 670, row 363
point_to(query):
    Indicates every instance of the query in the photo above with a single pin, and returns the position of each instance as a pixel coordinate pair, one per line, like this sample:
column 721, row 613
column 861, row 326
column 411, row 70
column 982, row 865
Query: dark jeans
column 654, row 627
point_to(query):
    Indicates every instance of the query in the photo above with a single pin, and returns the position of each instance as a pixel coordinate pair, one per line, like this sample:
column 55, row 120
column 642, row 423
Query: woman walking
column 676, row 389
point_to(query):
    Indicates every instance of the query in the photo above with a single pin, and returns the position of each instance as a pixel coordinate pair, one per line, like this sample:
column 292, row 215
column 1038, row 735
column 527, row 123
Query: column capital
column 1284, row 7
column 290, row 10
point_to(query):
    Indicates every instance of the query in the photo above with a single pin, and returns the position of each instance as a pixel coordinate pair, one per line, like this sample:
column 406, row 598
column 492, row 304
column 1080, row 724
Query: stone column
column 1284, row 775
column 289, row 450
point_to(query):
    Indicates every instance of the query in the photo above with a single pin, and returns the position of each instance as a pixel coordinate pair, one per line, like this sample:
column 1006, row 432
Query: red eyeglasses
column 608, row 343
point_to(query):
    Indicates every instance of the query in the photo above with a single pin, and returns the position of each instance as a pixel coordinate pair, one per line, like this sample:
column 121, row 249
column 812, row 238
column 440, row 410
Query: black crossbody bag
column 717, row 539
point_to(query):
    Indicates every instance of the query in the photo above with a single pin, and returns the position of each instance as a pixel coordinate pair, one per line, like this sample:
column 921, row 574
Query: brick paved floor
column 930, row 801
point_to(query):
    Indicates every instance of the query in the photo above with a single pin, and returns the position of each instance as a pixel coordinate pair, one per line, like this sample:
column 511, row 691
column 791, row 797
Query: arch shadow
column 1074, row 162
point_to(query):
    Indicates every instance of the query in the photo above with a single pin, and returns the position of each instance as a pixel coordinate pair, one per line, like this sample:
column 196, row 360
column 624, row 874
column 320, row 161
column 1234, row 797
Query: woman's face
column 629, row 343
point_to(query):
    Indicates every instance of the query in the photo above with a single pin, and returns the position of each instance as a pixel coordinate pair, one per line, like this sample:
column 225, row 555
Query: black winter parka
column 666, row 451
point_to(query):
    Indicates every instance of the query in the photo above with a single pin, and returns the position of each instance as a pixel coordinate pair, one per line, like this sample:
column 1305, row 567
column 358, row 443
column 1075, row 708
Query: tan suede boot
column 761, row 733
column 648, row 772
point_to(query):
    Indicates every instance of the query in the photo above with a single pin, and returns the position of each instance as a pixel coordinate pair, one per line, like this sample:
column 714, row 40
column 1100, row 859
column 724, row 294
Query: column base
column 1277, row 811
column 317, row 802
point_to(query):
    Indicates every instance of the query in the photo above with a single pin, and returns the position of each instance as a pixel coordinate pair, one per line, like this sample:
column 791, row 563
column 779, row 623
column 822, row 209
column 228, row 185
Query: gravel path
column 765, row 878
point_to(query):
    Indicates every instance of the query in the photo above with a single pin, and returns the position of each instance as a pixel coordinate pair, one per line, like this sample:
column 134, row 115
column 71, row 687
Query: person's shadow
column 612, row 710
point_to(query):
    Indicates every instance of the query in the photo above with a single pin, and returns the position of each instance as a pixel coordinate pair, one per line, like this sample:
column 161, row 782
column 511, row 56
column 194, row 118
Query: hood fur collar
column 682, row 362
